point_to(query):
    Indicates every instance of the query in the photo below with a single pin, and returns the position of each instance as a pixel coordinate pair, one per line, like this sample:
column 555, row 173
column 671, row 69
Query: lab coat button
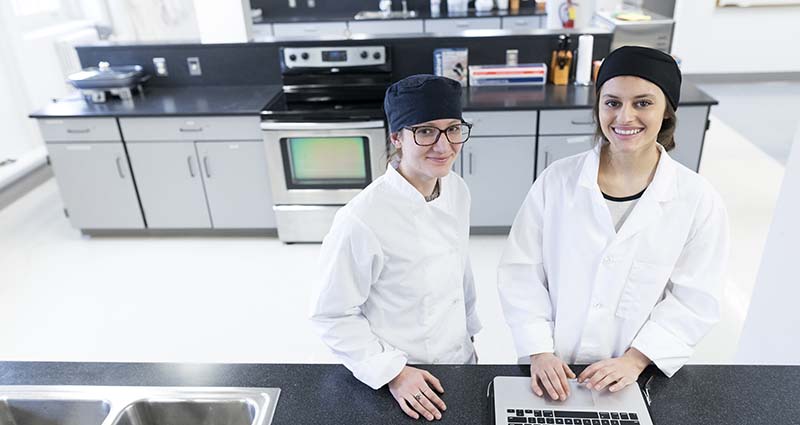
column 598, row 306
column 608, row 260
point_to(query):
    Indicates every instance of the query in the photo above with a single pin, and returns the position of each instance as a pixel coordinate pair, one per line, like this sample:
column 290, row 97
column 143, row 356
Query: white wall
column 770, row 334
column 715, row 40
column 223, row 21
column 154, row 20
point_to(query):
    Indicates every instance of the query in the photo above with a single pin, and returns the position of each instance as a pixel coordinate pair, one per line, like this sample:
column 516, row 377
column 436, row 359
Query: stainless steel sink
column 33, row 411
column 376, row 14
column 96, row 405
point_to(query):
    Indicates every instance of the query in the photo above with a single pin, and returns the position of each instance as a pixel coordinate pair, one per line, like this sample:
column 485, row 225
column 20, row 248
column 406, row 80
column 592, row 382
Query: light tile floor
column 67, row 297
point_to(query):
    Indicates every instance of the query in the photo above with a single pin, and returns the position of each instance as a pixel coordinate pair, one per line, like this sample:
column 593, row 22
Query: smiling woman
column 616, row 257
column 395, row 286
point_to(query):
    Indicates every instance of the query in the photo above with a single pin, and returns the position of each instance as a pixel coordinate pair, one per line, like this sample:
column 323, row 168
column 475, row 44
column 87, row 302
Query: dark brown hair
column 666, row 135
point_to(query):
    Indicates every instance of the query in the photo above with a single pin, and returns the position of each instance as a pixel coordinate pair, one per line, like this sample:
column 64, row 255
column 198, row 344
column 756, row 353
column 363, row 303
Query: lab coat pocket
column 644, row 286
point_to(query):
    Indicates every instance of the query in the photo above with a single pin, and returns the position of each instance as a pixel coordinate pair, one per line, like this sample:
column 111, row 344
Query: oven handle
column 272, row 125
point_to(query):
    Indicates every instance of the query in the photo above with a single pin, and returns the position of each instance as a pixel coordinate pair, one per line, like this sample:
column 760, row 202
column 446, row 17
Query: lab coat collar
column 408, row 191
column 663, row 188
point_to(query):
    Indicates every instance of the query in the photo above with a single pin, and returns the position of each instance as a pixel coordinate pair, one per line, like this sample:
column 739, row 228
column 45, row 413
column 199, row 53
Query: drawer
column 449, row 26
column 191, row 128
column 566, row 121
column 511, row 123
column 79, row 129
column 412, row 26
column 522, row 23
column 309, row 29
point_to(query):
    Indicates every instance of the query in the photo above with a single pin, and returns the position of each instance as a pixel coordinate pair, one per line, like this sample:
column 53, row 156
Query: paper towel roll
column 583, row 72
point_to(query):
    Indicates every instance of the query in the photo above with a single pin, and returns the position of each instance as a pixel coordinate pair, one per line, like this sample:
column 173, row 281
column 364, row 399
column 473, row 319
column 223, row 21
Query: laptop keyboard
column 567, row 417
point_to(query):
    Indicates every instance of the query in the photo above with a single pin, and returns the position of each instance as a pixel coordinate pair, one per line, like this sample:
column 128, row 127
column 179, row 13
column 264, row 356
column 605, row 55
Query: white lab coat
column 395, row 285
column 570, row 284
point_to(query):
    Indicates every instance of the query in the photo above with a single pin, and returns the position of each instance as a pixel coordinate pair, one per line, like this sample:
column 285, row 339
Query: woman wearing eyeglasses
column 395, row 285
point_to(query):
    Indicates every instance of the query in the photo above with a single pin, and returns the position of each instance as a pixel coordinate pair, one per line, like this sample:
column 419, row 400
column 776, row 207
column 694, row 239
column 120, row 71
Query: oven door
column 323, row 163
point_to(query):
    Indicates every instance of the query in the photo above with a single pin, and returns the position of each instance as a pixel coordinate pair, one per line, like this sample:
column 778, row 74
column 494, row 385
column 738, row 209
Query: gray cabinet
column 408, row 26
column 237, row 184
column 499, row 173
column 170, row 184
column 522, row 23
column 309, row 29
column 689, row 135
column 96, row 185
column 497, row 164
column 552, row 148
column 453, row 26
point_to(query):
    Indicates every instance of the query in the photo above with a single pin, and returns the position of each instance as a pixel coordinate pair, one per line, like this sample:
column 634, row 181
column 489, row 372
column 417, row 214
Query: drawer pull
column 581, row 122
column 191, row 167
column 205, row 164
column 190, row 130
column 78, row 131
column 119, row 168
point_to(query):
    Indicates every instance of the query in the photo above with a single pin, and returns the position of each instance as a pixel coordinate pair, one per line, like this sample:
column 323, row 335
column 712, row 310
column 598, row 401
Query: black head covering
column 653, row 65
column 421, row 98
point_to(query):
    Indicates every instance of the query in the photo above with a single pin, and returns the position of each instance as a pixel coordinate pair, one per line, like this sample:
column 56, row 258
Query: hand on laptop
column 551, row 373
column 412, row 392
column 616, row 373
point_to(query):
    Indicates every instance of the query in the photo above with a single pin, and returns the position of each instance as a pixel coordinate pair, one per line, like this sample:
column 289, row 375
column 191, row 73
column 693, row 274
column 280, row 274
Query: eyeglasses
column 426, row 135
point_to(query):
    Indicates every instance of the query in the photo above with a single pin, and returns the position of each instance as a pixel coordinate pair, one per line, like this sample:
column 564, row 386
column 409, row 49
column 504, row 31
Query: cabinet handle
column 119, row 168
column 546, row 159
column 78, row 131
column 581, row 122
column 190, row 130
column 205, row 164
column 462, row 25
column 470, row 162
column 191, row 168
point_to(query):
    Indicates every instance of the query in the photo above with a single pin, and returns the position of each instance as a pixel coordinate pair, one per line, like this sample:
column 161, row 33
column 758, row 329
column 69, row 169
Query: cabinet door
column 552, row 148
column 499, row 173
column 308, row 29
column 407, row 26
column 453, row 26
column 689, row 135
column 522, row 23
column 237, row 184
column 170, row 187
column 96, row 185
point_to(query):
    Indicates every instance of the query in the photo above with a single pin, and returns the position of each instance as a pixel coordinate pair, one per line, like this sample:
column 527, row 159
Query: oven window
column 326, row 162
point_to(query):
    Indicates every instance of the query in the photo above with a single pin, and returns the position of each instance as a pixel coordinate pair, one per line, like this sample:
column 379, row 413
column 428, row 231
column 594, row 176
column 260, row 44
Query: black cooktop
column 289, row 107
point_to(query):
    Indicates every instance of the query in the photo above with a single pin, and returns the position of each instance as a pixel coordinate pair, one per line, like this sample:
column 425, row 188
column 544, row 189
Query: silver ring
column 418, row 396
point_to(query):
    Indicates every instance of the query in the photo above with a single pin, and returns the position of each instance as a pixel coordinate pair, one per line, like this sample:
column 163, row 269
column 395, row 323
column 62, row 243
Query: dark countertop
column 163, row 101
column 421, row 14
column 250, row 100
column 328, row 394
column 555, row 97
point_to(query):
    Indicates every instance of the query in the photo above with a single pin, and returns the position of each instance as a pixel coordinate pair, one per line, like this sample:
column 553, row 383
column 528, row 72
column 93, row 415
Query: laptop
column 516, row 404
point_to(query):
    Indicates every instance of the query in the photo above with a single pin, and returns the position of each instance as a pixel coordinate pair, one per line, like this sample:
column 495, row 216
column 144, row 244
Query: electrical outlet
column 161, row 67
column 311, row 4
column 292, row 4
column 194, row 66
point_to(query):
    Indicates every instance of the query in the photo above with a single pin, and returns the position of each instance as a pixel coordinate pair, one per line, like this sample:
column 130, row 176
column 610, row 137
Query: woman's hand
column 616, row 373
column 411, row 389
column 550, row 372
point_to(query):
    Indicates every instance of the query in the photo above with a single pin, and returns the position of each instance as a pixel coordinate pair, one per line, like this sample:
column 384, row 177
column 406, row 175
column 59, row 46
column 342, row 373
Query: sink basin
column 194, row 412
column 53, row 412
column 376, row 14
column 105, row 405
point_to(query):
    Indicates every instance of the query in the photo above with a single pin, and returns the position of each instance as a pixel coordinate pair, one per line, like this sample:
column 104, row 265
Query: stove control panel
column 333, row 57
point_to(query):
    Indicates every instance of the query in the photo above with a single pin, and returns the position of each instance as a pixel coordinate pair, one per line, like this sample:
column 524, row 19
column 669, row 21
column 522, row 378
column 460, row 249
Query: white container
column 484, row 5
column 457, row 6
column 502, row 4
